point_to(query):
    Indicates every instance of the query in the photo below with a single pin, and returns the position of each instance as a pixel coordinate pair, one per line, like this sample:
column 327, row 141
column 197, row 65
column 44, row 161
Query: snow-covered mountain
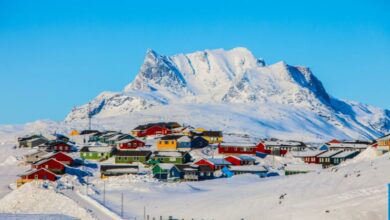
column 235, row 91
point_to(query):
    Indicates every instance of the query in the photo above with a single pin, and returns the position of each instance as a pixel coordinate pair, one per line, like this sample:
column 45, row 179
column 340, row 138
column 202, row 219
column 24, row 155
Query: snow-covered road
column 97, row 210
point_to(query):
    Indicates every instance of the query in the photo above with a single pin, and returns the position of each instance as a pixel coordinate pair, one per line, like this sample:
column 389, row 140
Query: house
column 348, row 145
column 292, row 169
column 240, row 160
column 61, row 157
column 198, row 142
column 383, row 144
column 310, row 156
column 36, row 156
column 214, row 163
column 107, row 170
column 59, row 145
column 127, row 144
column 175, row 157
column 118, row 137
column 169, row 142
column 166, row 171
column 61, row 137
column 74, row 132
column 96, row 153
column 41, row 174
column 32, row 141
column 184, row 143
column 153, row 129
column 188, row 172
column 343, row 156
column 50, row 164
column 239, row 148
column 205, row 172
column 249, row 169
column 132, row 156
column 325, row 158
column 212, row 137
column 281, row 148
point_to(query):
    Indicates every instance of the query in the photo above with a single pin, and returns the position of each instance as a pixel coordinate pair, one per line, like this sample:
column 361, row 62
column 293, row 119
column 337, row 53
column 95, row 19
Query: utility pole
column 104, row 192
column 89, row 116
column 144, row 213
column 122, row 205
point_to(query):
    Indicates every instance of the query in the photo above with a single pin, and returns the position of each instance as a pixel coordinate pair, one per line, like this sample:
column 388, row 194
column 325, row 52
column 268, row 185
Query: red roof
column 334, row 141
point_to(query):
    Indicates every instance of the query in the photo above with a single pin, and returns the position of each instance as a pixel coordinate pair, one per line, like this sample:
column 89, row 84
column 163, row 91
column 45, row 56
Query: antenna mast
column 89, row 116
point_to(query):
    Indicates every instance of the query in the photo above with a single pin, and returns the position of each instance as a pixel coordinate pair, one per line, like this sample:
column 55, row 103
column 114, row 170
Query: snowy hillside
column 235, row 91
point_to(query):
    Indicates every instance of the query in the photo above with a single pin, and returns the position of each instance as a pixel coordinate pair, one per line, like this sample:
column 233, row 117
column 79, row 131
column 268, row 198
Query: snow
column 355, row 191
column 330, row 153
column 232, row 90
column 303, row 167
column 32, row 199
column 344, row 154
column 248, row 168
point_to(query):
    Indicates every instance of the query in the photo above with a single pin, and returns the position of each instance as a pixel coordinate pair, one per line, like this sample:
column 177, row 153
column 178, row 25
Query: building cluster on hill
column 170, row 157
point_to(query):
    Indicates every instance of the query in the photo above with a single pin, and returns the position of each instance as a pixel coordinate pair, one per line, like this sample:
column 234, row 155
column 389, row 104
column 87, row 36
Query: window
column 160, row 142
column 36, row 176
column 172, row 142
column 201, row 174
column 165, row 142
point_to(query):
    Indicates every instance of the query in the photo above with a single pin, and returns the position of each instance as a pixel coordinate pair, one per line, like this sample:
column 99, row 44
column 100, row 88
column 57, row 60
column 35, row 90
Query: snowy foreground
column 355, row 190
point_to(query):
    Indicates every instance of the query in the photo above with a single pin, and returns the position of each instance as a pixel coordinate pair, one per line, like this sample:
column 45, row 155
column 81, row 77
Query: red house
column 41, row 174
column 130, row 144
column 310, row 156
column 60, row 146
column 62, row 157
column 214, row 163
column 240, row 160
column 161, row 128
column 240, row 148
column 50, row 164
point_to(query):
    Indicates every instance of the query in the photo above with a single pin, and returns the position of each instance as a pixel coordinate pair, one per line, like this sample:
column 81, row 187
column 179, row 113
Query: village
column 171, row 152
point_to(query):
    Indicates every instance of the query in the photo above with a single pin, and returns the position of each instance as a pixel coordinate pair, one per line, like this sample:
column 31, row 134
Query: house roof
column 101, row 149
column 35, row 171
column 183, row 167
column 303, row 167
column 218, row 161
column 84, row 132
column 171, row 137
column 308, row 153
column 212, row 133
column 330, row 153
column 345, row 154
column 237, row 144
column 105, row 167
column 166, row 166
column 248, row 158
column 134, row 153
column 284, row 143
column 46, row 160
column 169, row 153
column 169, row 125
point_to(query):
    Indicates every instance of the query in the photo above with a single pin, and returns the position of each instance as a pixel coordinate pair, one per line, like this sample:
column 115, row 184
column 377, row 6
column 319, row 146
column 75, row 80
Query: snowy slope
column 357, row 190
column 280, row 98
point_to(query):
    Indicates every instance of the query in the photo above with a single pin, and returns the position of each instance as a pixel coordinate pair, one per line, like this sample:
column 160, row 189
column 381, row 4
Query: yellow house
column 213, row 137
column 168, row 143
column 74, row 133
column 199, row 130
column 384, row 144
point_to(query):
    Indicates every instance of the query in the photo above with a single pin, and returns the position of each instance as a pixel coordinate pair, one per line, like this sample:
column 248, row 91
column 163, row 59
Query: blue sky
column 58, row 54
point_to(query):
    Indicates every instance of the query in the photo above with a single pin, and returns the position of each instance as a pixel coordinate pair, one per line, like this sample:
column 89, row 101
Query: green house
column 173, row 157
column 131, row 156
column 96, row 153
column 166, row 171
